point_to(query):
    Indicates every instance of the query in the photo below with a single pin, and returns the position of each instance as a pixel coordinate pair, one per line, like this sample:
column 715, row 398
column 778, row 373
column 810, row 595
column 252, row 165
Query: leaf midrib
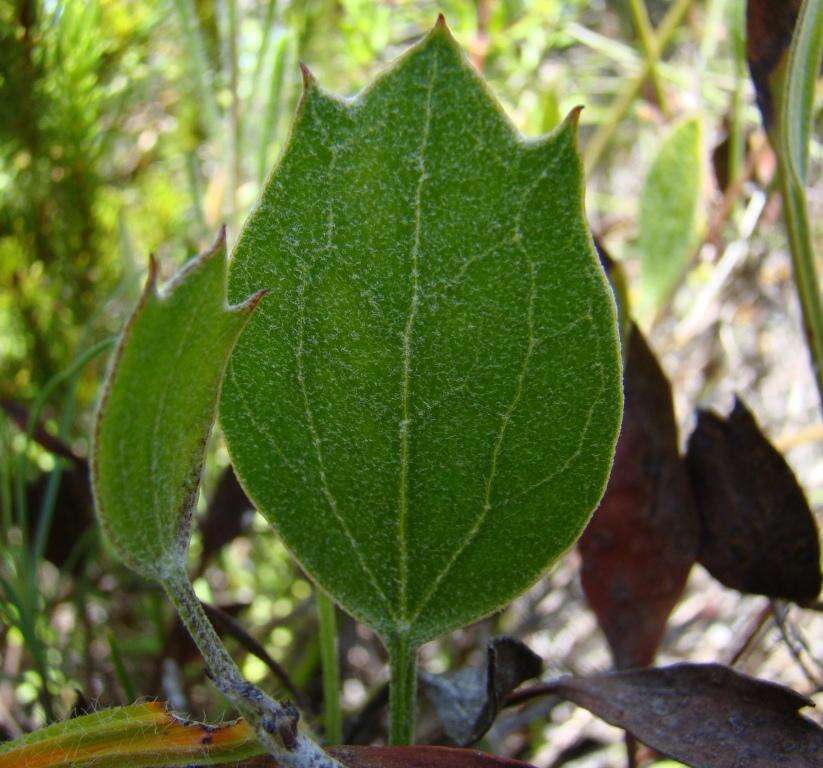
column 405, row 422
column 161, row 406
column 403, row 621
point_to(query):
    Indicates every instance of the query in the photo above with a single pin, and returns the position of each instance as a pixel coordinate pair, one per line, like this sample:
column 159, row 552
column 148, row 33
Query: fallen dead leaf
column 758, row 533
column 642, row 542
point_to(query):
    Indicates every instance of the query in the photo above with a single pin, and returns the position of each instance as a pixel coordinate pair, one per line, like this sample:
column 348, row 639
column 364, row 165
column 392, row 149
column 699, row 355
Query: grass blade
column 793, row 136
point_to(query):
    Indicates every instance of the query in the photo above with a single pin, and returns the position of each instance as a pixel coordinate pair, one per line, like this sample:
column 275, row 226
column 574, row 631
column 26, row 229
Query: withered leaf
column 769, row 27
column 619, row 285
column 705, row 715
column 758, row 533
column 406, row 757
column 642, row 542
column 467, row 701
column 722, row 156
column 365, row 725
column 148, row 734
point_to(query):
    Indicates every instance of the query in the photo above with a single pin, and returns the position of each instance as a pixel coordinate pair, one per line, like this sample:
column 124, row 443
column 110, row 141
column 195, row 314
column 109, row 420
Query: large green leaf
column 157, row 409
column 669, row 216
column 426, row 404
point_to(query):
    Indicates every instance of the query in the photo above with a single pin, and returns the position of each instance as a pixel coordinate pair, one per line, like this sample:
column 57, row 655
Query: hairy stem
column 327, row 622
column 402, row 690
column 276, row 724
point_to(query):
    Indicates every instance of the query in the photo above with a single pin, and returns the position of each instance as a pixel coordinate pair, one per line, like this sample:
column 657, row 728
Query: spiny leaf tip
column 574, row 115
column 441, row 29
column 250, row 304
column 309, row 80
column 151, row 280
column 219, row 247
column 220, row 242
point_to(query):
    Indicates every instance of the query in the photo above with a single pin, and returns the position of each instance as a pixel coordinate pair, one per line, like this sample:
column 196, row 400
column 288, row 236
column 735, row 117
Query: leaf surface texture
column 157, row 409
column 427, row 403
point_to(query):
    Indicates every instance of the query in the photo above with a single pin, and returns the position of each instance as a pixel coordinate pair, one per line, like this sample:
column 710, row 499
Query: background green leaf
column 426, row 405
column 669, row 216
column 157, row 409
column 793, row 132
column 798, row 105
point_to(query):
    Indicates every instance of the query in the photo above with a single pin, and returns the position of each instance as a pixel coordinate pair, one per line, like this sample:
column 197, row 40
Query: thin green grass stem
column 625, row 99
column 793, row 140
column 327, row 622
column 645, row 31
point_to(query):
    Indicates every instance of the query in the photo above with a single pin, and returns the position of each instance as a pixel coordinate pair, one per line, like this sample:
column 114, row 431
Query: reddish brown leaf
column 705, row 715
column 467, row 701
column 642, row 542
column 406, row 757
column 720, row 163
column 769, row 27
column 759, row 534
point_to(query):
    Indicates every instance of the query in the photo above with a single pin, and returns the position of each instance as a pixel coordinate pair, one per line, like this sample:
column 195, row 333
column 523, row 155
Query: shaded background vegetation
column 135, row 127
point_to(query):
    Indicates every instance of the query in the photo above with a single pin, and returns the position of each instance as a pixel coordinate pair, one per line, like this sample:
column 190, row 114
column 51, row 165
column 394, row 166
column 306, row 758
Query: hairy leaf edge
column 568, row 128
column 163, row 293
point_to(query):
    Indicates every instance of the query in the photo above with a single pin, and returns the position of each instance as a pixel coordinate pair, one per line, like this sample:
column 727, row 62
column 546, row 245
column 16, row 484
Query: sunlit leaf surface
column 427, row 403
column 157, row 410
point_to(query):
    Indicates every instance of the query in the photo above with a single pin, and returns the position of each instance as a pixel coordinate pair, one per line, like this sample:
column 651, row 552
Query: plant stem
column 220, row 664
column 234, row 112
column 120, row 671
column 737, row 136
column 624, row 100
column 268, row 25
column 640, row 14
column 276, row 725
column 327, row 622
column 402, row 689
column 805, row 275
column 793, row 137
column 276, row 90
column 30, row 553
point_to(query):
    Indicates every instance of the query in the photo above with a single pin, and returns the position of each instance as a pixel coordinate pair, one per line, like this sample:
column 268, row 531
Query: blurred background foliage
column 129, row 127
column 136, row 127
